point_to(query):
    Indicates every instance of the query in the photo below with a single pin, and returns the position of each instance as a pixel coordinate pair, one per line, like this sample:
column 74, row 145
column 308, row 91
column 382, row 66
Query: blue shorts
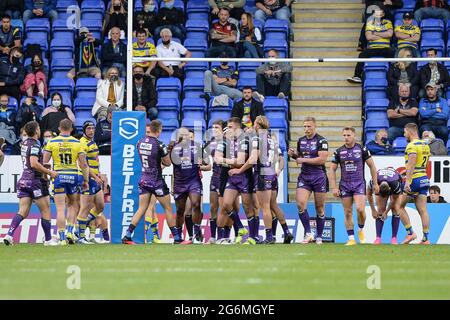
column 419, row 185
column 94, row 188
column 66, row 184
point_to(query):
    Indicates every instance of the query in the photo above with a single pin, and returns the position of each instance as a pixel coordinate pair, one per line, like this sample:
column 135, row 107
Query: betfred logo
column 128, row 128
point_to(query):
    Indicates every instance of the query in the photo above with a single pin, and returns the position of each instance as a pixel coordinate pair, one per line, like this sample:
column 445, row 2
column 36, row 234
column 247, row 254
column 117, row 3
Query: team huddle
column 245, row 164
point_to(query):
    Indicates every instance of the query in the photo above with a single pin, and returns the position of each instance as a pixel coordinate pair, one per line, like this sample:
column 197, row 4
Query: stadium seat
column 369, row 136
column 39, row 101
column 83, row 104
column 92, row 10
column 66, row 98
column 168, row 87
column 60, row 30
column 62, row 48
column 248, row 66
column 194, row 124
column 41, row 41
column 61, row 85
column 216, row 64
column 17, row 23
column 167, row 135
column 376, row 66
column 198, row 10
column 375, row 88
column 170, row 124
column 229, row 106
column 432, row 29
column 246, row 82
column 95, row 27
column 399, row 145
column 196, row 45
column 37, row 27
column 194, row 108
column 66, row 8
column 372, row 125
column 275, row 26
column 279, row 127
column 200, row 66
column 279, row 45
column 376, row 114
column 60, row 67
column 193, row 87
column 280, row 137
column 197, row 29
column 219, row 113
column 13, row 104
column 168, row 108
column 437, row 44
column 86, row 87
column 275, row 103
column 375, row 74
column 82, row 115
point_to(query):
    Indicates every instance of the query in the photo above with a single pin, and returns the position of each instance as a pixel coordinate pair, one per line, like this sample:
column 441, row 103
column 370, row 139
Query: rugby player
column 390, row 183
column 151, row 223
column 352, row 188
column 66, row 152
column 153, row 153
column 311, row 154
column 30, row 187
column 417, row 183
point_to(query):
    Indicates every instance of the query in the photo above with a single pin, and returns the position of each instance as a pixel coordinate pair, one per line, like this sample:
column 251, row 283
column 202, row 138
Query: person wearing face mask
column 28, row 111
column 400, row 112
column 47, row 136
column 12, row 74
column 116, row 16
column 434, row 113
column 8, row 131
column 403, row 72
column 53, row 114
column 114, row 53
column 437, row 146
column 222, row 80
column 35, row 82
column 273, row 78
column 110, row 93
column 172, row 18
column 434, row 72
column 380, row 146
column 146, row 19
column 144, row 93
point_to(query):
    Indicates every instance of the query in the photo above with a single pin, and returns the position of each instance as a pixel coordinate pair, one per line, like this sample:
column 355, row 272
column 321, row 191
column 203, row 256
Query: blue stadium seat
column 39, row 101
column 437, row 44
column 200, row 66
column 92, row 10
column 95, row 27
column 83, row 104
column 17, row 23
column 37, row 27
column 197, row 29
column 372, row 74
column 375, row 84
column 173, row 39
column 376, row 105
column 66, row 8
column 13, row 104
column 219, row 113
column 60, row 67
column 279, row 45
column 86, row 87
column 60, row 30
column 61, row 85
column 62, row 48
column 193, row 87
column 431, row 28
column 274, row 26
column 247, row 74
column 216, row 64
column 369, row 136
column 41, row 41
column 198, row 10
column 194, row 108
column 275, row 103
column 138, row 5
column 82, row 115
column 168, row 108
column 275, row 114
column 246, row 82
column 376, row 66
column 194, row 124
column 169, row 124
column 168, row 87
column 193, row 45
column 376, row 114
column 248, row 66
column 167, row 135
column 229, row 106
column 372, row 125
column 280, row 136
column 66, row 98
column 399, row 145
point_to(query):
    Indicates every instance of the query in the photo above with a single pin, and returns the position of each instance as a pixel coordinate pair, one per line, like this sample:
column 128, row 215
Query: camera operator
column 89, row 65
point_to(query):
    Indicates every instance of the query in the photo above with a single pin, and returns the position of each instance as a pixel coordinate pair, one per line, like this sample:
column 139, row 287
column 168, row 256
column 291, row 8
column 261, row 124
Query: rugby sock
column 154, row 227
column 425, row 234
column 395, row 224
column 320, row 225
column 256, row 228
column 304, row 218
column 227, row 231
column 285, row 229
column 360, row 226
column 148, row 222
column 236, row 229
column 180, row 232
column 47, row 226
column 176, row 233
column 189, row 224
column 236, row 220
column 82, row 226
column 105, row 234
column 92, row 228
column 69, row 228
column 379, row 226
column 274, row 225
column 62, row 234
column 92, row 215
column 251, row 227
column 220, row 232
column 14, row 224
column 269, row 235
column 351, row 234
column 197, row 230
column 213, row 227
column 409, row 230
column 130, row 230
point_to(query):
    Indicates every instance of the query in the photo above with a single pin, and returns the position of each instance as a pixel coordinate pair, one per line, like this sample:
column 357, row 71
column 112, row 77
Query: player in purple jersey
column 233, row 152
column 352, row 188
column 390, row 183
column 311, row 154
column 29, row 186
column 263, row 154
column 188, row 159
column 152, row 154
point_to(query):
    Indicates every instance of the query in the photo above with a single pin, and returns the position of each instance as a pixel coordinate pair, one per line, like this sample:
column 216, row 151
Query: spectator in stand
column 170, row 49
column 8, row 125
column 110, row 93
column 379, row 32
column 53, row 114
column 172, row 18
column 437, row 146
column 434, row 113
column 40, row 9
column 28, row 111
column 9, row 37
column 7, row 115
column 247, row 109
column 35, row 82
column 403, row 72
column 12, row 74
column 144, row 48
column 273, row 8
column 380, row 146
column 144, row 93
column 437, row 9
column 435, row 195
column 273, row 78
column 146, row 19
column 223, row 36
column 408, row 35
column 12, row 8
column 236, row 7
column 47, row 136
column 86, row 61
column 250, row 38
column 400, row 112
column 434, row 72
column 222, row 80
column 102, row 135
column 114, row 53
column 116, row 17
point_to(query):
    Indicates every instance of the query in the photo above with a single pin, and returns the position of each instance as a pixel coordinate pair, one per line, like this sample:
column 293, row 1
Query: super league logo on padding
column 128, row 128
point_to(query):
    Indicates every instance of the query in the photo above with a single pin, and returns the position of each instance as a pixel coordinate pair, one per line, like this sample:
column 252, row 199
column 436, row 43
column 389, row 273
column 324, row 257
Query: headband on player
column 86, row 124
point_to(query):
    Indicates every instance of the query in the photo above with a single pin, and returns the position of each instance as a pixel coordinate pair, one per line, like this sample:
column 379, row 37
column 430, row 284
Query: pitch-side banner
column 127, row 127
column 438, row 170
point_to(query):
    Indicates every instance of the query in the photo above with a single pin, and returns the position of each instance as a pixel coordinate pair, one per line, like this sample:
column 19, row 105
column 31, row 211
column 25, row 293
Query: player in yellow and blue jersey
column 68, row 155
column 417, row 183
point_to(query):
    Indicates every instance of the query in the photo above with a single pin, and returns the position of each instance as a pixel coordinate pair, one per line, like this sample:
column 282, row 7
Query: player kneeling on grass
column 390, row 183
column 153, row 153
column 30, row 187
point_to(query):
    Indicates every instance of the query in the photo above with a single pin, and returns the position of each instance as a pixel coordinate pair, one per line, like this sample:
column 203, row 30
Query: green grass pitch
column 330, row 271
